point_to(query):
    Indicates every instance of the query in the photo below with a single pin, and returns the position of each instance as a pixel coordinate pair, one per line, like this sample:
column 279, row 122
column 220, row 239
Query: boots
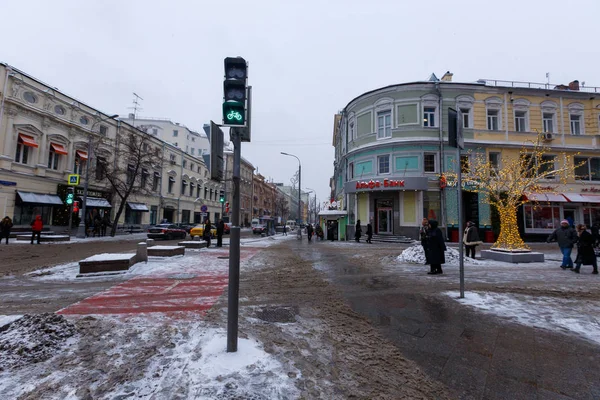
column 576, row 269
column 432, row 270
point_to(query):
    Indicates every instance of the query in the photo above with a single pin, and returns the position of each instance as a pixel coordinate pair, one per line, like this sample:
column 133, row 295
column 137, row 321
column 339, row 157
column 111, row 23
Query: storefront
column 134, row 213
column 28, row 205
column 333, row 224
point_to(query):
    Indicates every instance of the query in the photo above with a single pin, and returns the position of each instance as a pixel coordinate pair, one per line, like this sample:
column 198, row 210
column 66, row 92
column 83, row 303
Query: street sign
column 204, row 208
column 73, row 180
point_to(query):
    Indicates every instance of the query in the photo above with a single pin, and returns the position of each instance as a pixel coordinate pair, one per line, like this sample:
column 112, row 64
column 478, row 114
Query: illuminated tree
column 503, row 186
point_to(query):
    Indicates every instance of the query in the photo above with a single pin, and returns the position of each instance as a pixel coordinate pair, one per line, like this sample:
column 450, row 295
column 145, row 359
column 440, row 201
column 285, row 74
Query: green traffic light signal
column 69, row 200
column 234, row 113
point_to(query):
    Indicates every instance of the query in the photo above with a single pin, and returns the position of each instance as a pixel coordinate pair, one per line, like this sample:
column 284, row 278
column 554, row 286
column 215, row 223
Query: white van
column 254, row 222
column 291, row 223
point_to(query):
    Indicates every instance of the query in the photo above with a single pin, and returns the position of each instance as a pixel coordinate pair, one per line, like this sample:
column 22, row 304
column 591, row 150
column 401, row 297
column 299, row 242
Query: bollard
column 142, row 252
column 150, row 242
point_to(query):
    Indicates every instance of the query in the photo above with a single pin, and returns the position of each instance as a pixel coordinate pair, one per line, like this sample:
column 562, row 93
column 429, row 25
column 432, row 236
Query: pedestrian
column 5, row 227
column 206, row 233
column 566, row 238
column 436, row 248
column 36, row 228
column 357, row 232
column 309, row 231
column 424, row 235
column 369, row 232
column 596, row 233
column 585, row 250
column 220, row 230
column 97, row 223
column 104, row 224
column 471, row 239
column 284, row 230
column 319, row 232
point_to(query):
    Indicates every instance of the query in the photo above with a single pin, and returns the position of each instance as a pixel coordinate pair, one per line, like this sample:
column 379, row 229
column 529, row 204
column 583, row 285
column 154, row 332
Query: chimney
column 574, row 85
column 447, row 77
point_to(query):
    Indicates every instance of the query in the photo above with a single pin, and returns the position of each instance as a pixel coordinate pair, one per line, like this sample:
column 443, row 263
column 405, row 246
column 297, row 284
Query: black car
column 166, row 231
column 185, row 226
column 258, row 229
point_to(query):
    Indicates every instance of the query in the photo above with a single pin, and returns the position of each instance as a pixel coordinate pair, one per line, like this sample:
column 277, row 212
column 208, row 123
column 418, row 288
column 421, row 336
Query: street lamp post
column 315, row 192
column 81, row 229
column 299, row 186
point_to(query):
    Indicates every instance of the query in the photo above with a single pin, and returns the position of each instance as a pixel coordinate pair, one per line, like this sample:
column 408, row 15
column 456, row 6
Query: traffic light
column 227, row 208
column 70, row 195
column 234, row 92
column 75, row 206
column 222, row 196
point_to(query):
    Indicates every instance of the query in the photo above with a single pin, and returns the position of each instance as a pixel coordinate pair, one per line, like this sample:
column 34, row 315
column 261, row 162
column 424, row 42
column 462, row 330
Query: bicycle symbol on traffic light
column 234, row 115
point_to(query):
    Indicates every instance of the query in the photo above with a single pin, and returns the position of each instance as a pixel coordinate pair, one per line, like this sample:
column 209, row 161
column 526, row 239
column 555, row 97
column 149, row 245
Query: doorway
column 384, row 215
column 168, row 214
column 570, row 214
column 470, row 206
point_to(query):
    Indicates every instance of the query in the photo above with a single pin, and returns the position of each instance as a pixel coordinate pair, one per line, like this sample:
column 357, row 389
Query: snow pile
column 416, row 255
column 33, row 338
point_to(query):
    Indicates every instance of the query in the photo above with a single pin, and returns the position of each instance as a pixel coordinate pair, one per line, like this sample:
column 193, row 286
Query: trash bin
column 454, row 235
column 489, row 236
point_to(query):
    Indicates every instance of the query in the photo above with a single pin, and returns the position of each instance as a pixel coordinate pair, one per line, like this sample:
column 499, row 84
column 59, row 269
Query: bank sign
column 408, row 183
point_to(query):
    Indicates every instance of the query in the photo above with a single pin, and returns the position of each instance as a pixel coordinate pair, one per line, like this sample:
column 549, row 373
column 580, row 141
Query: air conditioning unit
column 548, row 136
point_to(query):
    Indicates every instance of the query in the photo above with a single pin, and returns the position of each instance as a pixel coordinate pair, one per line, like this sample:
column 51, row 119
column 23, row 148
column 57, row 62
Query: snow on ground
column 416, row 255
column 7, row 319
column 578, row 316
column 110, row 257
column 133, row 236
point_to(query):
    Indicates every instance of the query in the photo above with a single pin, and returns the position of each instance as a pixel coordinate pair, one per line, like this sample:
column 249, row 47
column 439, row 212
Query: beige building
column 265, row 195
column 44, row 136
column 246, row 173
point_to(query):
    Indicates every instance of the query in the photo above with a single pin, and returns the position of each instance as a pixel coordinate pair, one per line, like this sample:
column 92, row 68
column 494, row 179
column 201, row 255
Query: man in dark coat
column 358, row 231
column 436, row 247
column 585, row 250
column 220, row 230
column 36, row 228
column 5, row 227
column 369, row 232
column 309, row 231
column 206, row 233
column 566, row 238
column 423, row 236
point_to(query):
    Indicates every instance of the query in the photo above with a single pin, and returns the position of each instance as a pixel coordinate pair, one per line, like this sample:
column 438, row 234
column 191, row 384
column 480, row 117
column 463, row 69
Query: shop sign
column 8, row 183
column 464, row 184
column 377, row 184
column 592, row 189
column 385, row 184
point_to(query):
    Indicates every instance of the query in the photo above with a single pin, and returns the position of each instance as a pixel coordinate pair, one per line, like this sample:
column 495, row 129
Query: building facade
column 391, row 148
column 45, row 136
column 246, row 187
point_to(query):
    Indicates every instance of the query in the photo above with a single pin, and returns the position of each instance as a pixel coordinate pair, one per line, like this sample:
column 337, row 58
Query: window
column 351, row 171
column 144, row 178
column 205, row 192
column 192, row 167
column 84, row 121
column 130, row 174
column 534, row 166
column 492, row 120
column 589, row 170
column 175, row 133
column 548, row 122
column 383, row 164
column 465, row 164
column 29, row 97
column 183, row 186
column 103, row 130
column 171, row 183
column 193, row 139
column 521, row 121
column 494, row 161
column 351, row 130
column 22, row 155
column 145, row 147
column 100, row 168
column 154, row 131
column 192, row 189
column 79, row 163
column 53, row 159
column 547, row 164
column 429, row 117
column 198, row 191
column 184, row 163
column 172, row 157
column 193, row 150
column 575, row 124
column 384, row 124
column 466, row 117
column 541, row 218
column 429, row 162
column 60, row 110
column 155, row 181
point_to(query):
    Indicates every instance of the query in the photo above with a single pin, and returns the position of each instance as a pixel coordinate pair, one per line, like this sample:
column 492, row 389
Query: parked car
column 185, row 226
column 198, row 230
column 258, row 229
column 166, row 231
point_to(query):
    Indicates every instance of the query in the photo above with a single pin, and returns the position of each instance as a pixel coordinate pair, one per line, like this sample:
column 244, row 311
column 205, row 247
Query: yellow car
column 198, row 230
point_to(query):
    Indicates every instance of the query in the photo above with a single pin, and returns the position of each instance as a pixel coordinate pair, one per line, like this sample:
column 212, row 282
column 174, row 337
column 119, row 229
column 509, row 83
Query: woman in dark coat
column 358, row 231
column 206, row 233
column 5, row 226
column 220, row 231
column 436, row 248
column 585, row 250
column 369, row 232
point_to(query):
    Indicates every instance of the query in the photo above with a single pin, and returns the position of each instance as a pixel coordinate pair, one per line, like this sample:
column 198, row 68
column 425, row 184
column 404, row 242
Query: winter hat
column 564, row 221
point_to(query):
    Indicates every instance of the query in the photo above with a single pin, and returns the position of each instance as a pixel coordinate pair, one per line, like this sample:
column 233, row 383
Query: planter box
column 196, row 244
column 166, row 251
column 106, row 263
column 46, row 238
column 512, row 257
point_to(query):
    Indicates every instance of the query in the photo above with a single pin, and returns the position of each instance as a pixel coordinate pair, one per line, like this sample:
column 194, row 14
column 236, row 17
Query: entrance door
column 384, row 220
column 570, row 214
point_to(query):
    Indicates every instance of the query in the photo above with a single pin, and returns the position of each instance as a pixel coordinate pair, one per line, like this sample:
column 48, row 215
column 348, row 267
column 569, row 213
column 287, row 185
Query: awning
column 575, row 198
column 332, row 213
column 97, row 202
column 547, row 197
column 83, row 155
column 38, row 198
column 59, row 149
column 591, row 198
column 28, row 140
column 137, row 206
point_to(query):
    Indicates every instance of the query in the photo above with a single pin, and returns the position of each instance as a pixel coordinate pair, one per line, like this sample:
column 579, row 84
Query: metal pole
column 81, row 230
column 71, row 215
column 461, row 261
column 299, row 191
column 234, row 248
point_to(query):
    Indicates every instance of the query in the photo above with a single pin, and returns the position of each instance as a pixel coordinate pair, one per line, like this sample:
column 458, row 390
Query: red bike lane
column 172, row 293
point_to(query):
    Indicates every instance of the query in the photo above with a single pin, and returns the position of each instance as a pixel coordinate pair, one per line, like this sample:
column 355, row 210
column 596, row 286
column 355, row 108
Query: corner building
column 391, row 149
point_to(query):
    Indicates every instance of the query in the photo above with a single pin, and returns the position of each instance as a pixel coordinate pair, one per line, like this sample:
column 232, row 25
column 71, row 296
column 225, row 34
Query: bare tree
column 281, row 206
column 505, row 186
column 128, row 165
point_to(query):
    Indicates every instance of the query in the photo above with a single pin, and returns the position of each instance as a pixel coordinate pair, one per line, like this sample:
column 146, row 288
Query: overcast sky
column 307, row 58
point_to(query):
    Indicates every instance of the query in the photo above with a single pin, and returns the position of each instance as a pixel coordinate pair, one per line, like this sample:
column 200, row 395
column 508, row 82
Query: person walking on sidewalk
column 423, row 236
column 5, row 227
column 566, row 238
column 284, row 230
column 220, row 230
column 369, row 232
column 358, row 231
column 471, row 239
column 36, row 228
column 309, row 231
column 437, row 247
column 585, row 250
column 206, row 233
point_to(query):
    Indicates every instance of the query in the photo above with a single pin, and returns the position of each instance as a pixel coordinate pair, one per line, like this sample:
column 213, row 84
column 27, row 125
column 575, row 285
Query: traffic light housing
column 222, row 196
column 70, row 196
column 235, row 92
column 75, row 206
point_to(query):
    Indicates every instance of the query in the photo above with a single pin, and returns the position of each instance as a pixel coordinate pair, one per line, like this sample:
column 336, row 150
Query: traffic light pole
column 70, row 219
column 234, row 247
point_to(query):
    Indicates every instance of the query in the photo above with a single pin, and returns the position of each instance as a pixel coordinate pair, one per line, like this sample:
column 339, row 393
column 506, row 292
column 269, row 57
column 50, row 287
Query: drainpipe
column 505, row 117
column 179, row 212
column 8, row 70
column 441, row 134
column 562, row 121
column 160, row 185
